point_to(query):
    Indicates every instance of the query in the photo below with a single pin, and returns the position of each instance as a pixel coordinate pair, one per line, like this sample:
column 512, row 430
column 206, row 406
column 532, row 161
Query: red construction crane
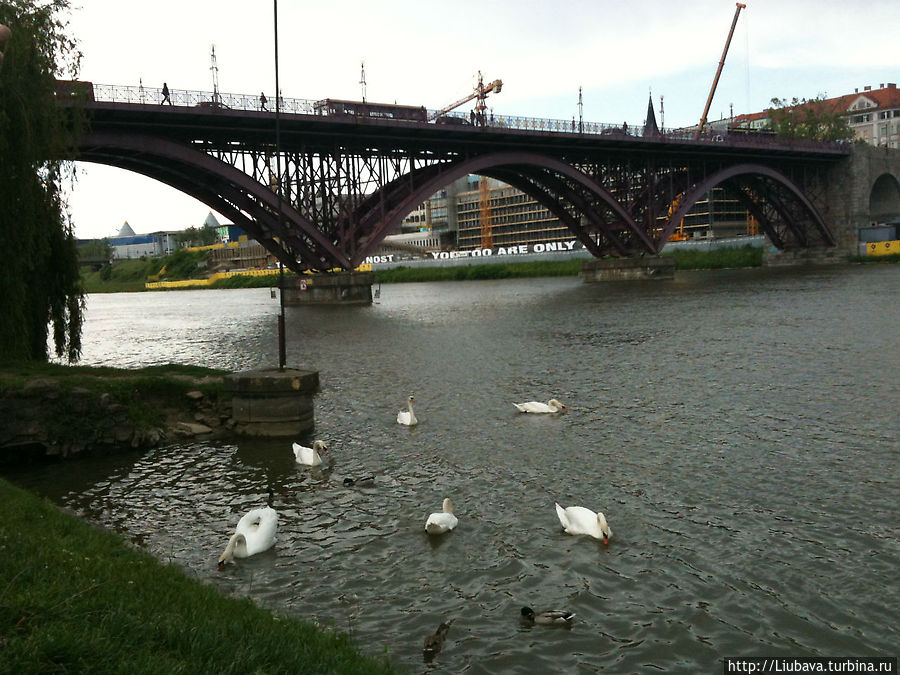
column 715, row 83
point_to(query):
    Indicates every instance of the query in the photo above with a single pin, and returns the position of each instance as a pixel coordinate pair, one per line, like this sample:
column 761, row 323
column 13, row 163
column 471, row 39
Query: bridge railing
column 109, row 93
column 112, row 93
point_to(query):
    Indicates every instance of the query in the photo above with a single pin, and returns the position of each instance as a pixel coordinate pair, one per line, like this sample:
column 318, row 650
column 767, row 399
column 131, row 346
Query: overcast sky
column 428, row 53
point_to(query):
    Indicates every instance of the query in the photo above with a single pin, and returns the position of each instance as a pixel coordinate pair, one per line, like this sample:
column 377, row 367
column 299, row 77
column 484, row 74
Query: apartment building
column 872, row 114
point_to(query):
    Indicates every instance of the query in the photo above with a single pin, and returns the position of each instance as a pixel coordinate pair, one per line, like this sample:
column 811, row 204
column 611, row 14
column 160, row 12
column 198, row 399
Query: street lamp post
column 282, row 351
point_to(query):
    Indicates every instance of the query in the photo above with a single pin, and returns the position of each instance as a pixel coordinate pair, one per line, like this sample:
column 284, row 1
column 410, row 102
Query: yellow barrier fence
column 199, row 283
column 883, row 247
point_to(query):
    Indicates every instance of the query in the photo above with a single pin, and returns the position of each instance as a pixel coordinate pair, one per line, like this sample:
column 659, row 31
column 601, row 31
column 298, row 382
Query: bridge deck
column 220, row 119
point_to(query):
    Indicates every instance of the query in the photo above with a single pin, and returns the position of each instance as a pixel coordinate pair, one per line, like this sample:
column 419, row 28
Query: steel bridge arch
column 548, row 180
column 248, row 203
column 756, row 186
column 576, row 198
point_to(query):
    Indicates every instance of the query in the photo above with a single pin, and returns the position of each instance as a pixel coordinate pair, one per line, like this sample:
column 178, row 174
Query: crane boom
column 715, row 83
column 481, row 92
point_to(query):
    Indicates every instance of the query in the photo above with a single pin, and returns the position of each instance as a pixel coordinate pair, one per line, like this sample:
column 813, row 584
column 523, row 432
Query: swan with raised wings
column 579, row 520
column 408, row 417
column 551, row 406
column 310, row 456
column 442, row 521
column 255, row 533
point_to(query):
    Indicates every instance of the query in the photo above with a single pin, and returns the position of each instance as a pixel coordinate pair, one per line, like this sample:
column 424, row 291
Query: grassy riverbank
column 149, row 394
column 747, row 256
column 53, row 410
column 471, row 272
column 77, row 599
column 720, row 258
column 131, row 275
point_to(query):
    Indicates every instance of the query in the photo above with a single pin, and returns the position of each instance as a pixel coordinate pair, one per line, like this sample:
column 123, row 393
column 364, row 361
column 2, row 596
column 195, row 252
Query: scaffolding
column 484, row 212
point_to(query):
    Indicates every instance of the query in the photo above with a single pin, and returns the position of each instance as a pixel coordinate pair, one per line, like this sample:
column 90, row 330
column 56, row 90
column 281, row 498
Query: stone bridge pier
column 862, row 190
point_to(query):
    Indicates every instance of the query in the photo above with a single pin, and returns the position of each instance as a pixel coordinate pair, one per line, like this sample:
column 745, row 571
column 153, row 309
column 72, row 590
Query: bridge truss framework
column 347, row 183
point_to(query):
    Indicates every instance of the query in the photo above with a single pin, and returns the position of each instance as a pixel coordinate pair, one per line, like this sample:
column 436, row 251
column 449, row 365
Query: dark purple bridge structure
column 349, row 177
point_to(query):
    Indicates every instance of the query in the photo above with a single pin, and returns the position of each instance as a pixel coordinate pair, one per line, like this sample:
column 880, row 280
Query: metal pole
column 580, row 113
column 282, row 350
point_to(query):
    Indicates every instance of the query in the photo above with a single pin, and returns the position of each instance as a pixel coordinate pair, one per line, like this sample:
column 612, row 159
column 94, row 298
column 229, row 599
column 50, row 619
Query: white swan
column 551, row 406
column 441, row 521
column 310, row 456
column 407, row 417
column 579, row 520
column 255, row 533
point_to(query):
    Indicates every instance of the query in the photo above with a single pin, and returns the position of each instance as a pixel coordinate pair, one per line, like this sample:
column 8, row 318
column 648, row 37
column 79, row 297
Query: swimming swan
column 407, row 418
column 579, row 520
column 255, row 533
column 551, row 406
column 441, row 521
column 310, row 456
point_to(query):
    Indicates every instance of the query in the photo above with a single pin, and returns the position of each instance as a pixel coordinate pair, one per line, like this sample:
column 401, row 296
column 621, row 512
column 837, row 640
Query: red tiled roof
column 886, row 97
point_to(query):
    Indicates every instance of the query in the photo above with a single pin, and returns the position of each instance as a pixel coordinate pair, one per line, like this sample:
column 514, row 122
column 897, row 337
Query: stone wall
column 628, row 269
column 851, row 184
column 45, row 419
column 341, row 288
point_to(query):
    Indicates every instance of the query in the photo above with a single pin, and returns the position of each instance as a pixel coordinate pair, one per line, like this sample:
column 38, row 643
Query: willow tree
column 40, row 288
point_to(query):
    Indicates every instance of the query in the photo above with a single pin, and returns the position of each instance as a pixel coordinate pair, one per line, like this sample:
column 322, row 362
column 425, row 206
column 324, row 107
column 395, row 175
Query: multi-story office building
column 476, row 212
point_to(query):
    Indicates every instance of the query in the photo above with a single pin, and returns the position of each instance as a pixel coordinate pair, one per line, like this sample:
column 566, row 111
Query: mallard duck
column 551, row 617
column 441, row 521
column 310, row 456
column 433, row 643
column 408, row 417
column 551, row 406
column 579, row 520
column 255, row 533
column 365, row 481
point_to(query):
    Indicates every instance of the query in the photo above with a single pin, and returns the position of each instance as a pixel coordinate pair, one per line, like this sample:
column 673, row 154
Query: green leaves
column 41, row 285
column 813, row 119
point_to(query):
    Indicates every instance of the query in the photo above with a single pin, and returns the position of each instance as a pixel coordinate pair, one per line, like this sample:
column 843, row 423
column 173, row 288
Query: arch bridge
column 349, row 178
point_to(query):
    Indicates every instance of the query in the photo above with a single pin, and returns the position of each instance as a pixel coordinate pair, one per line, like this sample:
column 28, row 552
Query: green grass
column 92, row 283
column 267, row 281
column 131, row 275
column 747, row 256
column 569, row 267
column 18, row 372
column 875, row 259
column 721, row 258
column 76, row 599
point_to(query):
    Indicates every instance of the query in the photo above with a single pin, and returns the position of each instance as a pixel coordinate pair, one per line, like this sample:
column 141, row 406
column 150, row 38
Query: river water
column 738, row 429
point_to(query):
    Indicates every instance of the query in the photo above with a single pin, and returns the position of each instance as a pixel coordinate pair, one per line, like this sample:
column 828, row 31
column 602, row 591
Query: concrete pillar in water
column 628, row 269
column 339, row 288
column 273, row 402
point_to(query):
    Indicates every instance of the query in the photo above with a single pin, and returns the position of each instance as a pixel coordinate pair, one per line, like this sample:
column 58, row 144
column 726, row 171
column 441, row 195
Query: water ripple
column 718, row 421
